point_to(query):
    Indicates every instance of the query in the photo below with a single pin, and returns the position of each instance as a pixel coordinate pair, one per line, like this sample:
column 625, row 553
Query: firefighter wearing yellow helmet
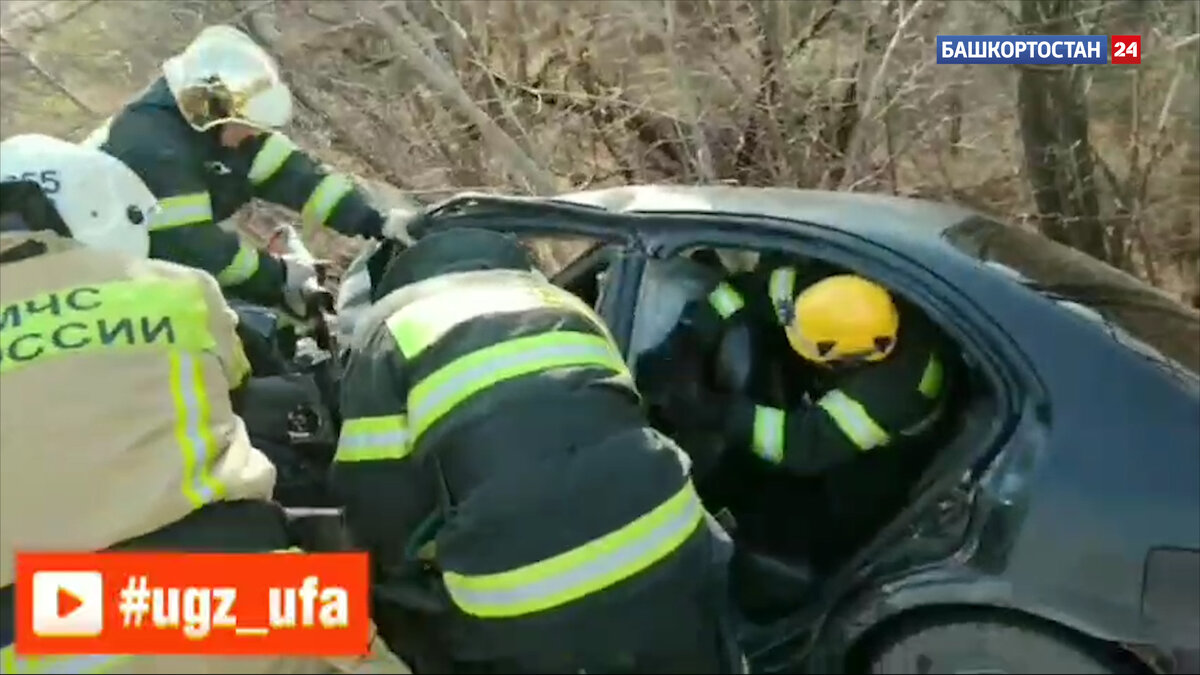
column 872, row 368
column 206, row 138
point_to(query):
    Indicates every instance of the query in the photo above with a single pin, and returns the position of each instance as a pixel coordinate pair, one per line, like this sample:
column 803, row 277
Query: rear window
column 1146, row 319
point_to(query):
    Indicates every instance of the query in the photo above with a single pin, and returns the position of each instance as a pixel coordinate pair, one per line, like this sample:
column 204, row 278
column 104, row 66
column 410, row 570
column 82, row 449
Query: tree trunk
column 1054, row 131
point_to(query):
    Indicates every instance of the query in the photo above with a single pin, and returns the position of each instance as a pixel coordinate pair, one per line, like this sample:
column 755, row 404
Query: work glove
column 299, row 285
column 396, row 224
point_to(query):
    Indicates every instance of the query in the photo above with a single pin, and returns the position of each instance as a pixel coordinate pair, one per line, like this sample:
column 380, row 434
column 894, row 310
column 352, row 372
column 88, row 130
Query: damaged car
column 1049, row 523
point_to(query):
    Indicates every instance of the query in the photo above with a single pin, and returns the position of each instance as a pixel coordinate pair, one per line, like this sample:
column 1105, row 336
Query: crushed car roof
column 862, row 213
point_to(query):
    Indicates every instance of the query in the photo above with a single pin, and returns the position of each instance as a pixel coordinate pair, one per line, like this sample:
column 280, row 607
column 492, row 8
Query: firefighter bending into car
column 869, row 374
column 496, row 462
column 204, row 137
column 117, row 430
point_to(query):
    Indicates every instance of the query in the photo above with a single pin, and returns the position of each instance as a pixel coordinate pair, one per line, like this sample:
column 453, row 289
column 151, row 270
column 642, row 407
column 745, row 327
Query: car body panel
column 1103, row 463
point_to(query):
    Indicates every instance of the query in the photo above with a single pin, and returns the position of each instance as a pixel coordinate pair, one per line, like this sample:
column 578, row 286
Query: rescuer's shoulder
column 167, row 270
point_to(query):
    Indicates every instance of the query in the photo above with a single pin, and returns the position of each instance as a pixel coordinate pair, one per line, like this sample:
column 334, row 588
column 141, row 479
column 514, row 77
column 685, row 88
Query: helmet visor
column 208, row 104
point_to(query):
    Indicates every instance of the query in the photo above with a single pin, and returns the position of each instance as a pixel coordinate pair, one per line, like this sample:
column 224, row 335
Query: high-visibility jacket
column 500, row 402
column 115, row 376
column 116, row 426
column 199, row 182
column 845, row 412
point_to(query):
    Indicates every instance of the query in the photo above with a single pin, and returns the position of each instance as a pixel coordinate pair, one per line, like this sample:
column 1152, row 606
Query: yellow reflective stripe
column 45, row 665
column 369, row 439
column 468, row 375
column 182, row 210
column 423, row 322
column 270, row 158
column 725, row 300
column 120, row 315
column 768, row 433
column 781, row 288
column 584, row 570
column 325, row 198
column 853, row 420
column 193, row 430
column 931, row 380
column 420, row 324
column 241, row 364
column 242, row 267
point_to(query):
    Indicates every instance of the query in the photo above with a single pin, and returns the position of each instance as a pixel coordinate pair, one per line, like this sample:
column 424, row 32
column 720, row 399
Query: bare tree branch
column 402, row 38
column 702, row 152
column 853, row 156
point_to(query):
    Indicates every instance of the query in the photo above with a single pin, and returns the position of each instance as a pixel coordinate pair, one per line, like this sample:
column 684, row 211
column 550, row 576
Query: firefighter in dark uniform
column 871, row 373
column 495, row 442
column 203, row 138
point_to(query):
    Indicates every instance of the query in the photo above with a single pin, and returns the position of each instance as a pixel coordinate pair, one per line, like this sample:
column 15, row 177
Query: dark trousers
column 695, row 643
column 655, row 632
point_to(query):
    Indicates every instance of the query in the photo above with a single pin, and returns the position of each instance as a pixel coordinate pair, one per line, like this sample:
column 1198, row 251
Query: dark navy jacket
column 200, row 183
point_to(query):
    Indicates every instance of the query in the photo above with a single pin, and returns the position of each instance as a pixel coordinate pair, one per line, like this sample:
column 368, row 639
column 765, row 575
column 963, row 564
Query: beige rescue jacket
column 115, row 420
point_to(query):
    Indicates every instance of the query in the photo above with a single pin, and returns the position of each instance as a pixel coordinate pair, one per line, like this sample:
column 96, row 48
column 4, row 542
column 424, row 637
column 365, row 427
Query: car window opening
column 794, row 530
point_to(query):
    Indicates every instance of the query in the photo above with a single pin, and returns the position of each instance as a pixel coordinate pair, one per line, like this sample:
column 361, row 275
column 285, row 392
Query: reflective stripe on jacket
column 445, row 350
column 115, row 375
column 726, row 300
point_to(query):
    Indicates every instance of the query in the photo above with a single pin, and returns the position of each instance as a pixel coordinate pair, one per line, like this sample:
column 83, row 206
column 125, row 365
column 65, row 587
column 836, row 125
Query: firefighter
column 877, row 370
column 496, row 461
column 163, row 464
column 204, row 137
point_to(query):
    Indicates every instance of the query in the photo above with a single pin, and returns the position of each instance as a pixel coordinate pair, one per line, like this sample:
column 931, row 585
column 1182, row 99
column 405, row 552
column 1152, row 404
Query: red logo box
column 1125, row 50
column 193, row 603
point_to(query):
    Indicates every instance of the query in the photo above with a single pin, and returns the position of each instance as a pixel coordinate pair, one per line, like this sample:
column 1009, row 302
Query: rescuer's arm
column 386, row 491
column 283, row 174
column 183, row 231
column 813, row 437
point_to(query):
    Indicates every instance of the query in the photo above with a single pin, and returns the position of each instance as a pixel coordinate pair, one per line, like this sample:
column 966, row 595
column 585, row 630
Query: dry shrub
column 529, row 96
column 841, row 95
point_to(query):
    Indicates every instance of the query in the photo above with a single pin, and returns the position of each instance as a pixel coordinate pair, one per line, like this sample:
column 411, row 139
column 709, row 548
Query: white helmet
column 101, row 200
column 224, row 76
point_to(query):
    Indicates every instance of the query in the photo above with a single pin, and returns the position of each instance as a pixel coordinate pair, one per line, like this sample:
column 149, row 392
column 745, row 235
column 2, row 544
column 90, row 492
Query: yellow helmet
column 224, row 76
column 843, row 318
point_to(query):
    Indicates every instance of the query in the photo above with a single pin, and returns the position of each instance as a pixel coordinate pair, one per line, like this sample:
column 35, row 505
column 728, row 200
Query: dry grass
column 528, row 96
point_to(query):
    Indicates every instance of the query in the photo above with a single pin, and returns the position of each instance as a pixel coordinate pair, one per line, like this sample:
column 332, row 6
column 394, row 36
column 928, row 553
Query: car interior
column 791, row 533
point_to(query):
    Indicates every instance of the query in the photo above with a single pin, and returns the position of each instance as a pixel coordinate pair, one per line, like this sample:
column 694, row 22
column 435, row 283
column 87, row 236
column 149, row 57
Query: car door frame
column 895, row 270
column 625, row 267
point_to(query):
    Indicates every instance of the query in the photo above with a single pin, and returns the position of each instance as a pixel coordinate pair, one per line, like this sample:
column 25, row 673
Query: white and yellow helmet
column 100, row 200
column 224, row 76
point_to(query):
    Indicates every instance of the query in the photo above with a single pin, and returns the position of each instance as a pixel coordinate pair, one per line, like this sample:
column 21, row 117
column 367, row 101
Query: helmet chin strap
column 25, row 207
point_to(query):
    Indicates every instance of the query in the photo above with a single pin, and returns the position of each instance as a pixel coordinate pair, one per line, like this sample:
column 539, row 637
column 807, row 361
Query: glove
column 395, row 225
column 300, row 281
